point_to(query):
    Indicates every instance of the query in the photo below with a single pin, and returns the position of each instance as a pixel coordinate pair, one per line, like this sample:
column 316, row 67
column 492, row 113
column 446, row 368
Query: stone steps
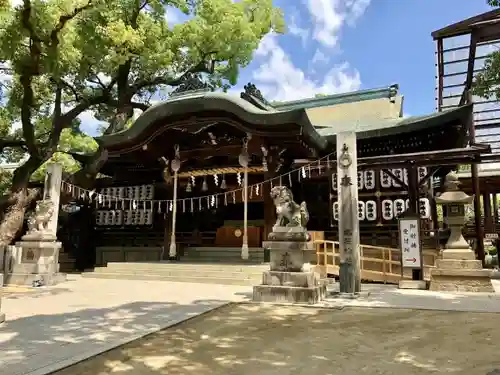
column 205, row 273
column 227, row 254
column 182, row 279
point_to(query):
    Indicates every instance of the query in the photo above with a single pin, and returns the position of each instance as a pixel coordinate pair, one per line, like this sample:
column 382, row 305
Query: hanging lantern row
column 391, row 209
column 140, row 197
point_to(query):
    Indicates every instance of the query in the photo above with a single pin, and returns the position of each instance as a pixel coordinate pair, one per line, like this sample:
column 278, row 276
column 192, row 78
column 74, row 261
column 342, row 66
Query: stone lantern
column 458, row 270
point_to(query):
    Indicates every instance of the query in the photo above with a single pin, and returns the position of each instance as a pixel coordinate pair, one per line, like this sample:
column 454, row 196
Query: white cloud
column 280, row 80
column 90, row 125
column 296, row 30
column 329, row 16
column 319, row 57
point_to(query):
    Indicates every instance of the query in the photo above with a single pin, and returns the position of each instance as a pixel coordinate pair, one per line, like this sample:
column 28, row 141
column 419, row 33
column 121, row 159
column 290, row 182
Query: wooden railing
column 382, row 264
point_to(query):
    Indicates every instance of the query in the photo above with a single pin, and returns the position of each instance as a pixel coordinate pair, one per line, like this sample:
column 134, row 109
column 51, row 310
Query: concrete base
column 413, row 284
column 288, row 294
column 290, row 287
column 460, row 275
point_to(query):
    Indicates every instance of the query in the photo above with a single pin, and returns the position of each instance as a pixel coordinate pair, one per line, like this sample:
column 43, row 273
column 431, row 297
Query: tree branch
column 138, row 105
column 11, row 143
column 29, row 70
column 63, row 20
column 200, row 68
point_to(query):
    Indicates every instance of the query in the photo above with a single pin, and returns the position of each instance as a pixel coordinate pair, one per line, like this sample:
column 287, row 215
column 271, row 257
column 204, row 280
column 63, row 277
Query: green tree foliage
column 61, row 58
column 487, row 82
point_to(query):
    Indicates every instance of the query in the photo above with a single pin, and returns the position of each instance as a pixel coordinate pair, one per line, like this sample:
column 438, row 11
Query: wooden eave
column 214, row 107
column 466, row 26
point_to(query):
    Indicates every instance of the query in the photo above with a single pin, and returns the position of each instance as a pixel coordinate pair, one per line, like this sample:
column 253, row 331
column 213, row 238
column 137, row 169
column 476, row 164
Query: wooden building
column 461, row 51
column 289, row 143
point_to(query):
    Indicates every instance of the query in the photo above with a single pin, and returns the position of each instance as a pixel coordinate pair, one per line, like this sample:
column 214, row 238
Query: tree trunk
column 19, row 199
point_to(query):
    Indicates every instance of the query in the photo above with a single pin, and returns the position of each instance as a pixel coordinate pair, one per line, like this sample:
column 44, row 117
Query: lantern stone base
column 460, row 275
column 290, row 278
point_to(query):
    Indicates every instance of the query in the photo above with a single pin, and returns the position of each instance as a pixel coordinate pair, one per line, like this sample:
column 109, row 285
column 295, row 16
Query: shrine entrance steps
column 221, row 254
column 204, row 273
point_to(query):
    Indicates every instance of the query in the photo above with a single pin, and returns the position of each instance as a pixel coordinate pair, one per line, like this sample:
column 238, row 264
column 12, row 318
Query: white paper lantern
column 369, row 179
column 121, row 192
column 137, row 192
column 425, row 208
column 399, row 207
column 130, row 192
column 119, row 218
column 148, row 217
column 385, row 180
column 371, row 210
column 387, row 209
column 335, row 210
column 334, row 181
column 398, row 172
column 99, row 218
column 142, row 217
column 129, row 217
column 360, row 180
column 361, row 211
column 422, row 172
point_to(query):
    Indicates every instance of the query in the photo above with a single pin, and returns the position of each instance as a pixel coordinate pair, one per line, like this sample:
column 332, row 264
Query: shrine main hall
column 201, row 164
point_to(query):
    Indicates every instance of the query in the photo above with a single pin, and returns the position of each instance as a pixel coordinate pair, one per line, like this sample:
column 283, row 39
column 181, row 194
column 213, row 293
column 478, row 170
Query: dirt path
column 265, row 340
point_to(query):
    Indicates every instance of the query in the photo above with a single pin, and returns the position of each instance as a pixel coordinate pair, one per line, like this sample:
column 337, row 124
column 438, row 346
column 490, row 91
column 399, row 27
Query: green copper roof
column 258, row 121
column 349, row 97
column 380, row 128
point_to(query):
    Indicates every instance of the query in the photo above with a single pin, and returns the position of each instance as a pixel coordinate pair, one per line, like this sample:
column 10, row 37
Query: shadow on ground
column 248, row 339
column 73, row 334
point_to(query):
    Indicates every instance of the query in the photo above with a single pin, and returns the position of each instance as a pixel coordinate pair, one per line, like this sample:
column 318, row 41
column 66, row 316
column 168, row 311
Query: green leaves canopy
column 487, row 82
column 61, row 58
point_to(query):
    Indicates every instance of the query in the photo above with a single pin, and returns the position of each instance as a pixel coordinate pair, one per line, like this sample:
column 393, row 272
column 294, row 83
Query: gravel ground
column 267, row 340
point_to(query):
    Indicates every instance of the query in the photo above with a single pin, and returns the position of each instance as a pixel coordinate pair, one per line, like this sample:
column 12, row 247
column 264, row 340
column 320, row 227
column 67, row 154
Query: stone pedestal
column 459, row 271
column 290, row 278
column 2, row 315
column 37, row 262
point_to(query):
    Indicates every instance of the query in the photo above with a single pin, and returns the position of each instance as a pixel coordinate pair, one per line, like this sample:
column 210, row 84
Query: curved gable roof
column 254, row 120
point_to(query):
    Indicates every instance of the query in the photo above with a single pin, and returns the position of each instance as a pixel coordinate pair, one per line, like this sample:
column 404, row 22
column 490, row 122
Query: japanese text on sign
column 410, row 243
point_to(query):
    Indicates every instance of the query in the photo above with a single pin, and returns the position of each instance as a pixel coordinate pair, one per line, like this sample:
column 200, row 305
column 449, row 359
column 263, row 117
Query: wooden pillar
column 413, row 190
column 166, row 238
column 413, row 197
column 347, row 173
column 475, row 183
column 269, row 209
column 487, row 212
column 378, row 199
column 495, row 211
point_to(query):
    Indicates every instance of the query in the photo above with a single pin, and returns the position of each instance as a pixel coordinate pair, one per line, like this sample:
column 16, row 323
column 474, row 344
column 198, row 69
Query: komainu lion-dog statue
column 39, row 220
column 292, row 218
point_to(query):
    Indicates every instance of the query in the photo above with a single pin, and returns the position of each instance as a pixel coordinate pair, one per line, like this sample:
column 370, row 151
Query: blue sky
column 344, row 45
column 334, row 46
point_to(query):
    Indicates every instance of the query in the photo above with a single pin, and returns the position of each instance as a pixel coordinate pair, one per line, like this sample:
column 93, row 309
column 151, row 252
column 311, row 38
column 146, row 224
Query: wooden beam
column 395, row 178
column 440, row 67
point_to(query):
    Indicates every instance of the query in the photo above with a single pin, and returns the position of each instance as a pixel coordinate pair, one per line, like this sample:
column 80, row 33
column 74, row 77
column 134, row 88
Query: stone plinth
column 290, row 279
column 36, row 262
column 458, row 271
column 2, row 315
column 298, row 234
